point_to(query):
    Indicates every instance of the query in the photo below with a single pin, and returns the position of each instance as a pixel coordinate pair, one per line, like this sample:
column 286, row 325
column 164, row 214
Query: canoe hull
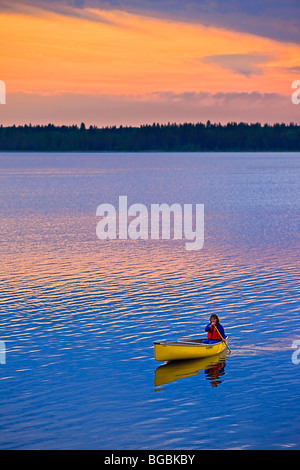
column 180, row 350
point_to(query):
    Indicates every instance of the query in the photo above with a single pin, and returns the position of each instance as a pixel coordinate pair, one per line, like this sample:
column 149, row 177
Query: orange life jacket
column 213, row 334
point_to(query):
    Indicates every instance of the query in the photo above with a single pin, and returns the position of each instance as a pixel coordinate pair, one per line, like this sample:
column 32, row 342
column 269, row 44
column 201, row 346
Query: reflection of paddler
column 214, row 372
column 176, row 370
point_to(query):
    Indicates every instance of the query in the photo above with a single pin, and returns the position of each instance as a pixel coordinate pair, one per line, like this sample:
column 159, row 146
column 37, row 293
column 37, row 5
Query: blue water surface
column 79, row 315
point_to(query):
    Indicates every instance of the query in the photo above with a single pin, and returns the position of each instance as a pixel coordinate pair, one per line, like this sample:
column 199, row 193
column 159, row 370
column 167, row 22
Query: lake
column 79, row 315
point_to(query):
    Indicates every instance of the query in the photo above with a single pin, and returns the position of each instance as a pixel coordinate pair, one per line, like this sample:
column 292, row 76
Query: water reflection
column 213, row 368
column 76, row 312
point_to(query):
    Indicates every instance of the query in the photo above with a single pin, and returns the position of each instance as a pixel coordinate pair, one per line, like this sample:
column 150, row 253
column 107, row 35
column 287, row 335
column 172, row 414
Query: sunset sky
column 135, row 62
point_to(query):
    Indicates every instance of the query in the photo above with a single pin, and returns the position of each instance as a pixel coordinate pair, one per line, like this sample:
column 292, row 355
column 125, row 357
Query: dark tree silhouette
column 199, row 137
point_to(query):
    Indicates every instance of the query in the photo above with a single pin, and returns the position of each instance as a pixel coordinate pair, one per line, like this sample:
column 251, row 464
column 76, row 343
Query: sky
column 136, row 62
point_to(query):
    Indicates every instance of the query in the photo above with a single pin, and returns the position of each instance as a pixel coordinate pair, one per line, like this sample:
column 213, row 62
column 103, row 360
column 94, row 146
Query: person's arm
column 207, row 327
column 221, row 330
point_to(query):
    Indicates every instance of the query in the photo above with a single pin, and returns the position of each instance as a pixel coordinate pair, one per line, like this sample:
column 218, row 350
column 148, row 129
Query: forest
column 188, row 137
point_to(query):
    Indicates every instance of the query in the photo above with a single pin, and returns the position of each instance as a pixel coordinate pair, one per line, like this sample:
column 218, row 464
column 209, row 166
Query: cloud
column 242, row 64
column 73, row 9
column 295, row 69
column 162, row 107
column 274, row 19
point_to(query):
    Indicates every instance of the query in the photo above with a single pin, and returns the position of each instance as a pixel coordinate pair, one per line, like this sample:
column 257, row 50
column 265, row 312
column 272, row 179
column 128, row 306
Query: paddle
column 224, row 340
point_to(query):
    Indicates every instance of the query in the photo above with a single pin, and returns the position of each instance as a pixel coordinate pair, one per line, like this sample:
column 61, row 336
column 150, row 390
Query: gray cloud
column 243, row 64
column 159, row 107
column 295, row 69
column 274, row 19
column 69, row 8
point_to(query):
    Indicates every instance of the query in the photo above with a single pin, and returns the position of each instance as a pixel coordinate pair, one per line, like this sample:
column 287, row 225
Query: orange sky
column 132, row 54
column 138, row 69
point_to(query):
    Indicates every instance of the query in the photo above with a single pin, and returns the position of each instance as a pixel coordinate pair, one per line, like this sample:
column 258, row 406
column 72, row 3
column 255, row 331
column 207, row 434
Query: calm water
column 79, row 315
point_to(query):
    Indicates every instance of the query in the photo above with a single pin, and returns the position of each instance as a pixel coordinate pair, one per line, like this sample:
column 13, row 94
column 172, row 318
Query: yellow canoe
column 190, row 349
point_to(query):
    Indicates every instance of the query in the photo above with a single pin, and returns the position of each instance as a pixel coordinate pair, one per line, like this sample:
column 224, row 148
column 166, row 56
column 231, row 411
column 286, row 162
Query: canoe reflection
column 212, row 366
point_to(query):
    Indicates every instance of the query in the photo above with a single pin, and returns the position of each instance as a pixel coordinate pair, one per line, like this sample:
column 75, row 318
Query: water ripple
column 79, row 316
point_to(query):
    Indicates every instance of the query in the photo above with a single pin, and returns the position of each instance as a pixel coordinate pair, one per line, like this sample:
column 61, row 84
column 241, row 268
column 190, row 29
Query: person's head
column 215, row 319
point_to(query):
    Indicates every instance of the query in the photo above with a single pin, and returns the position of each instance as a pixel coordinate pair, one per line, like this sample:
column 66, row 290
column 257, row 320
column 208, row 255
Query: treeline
column 233, row 136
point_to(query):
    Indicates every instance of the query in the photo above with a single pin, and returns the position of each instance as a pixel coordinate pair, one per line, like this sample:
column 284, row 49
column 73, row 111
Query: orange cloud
column 130, row 54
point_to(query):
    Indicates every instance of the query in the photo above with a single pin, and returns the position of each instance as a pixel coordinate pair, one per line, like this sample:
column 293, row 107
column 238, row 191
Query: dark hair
column 215, row 317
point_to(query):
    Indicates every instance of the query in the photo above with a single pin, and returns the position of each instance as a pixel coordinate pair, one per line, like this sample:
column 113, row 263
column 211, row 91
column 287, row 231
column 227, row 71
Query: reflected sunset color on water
column 79, row 315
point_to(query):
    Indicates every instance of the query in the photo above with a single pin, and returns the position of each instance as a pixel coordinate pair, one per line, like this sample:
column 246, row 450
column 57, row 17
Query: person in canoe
column 214, row 330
